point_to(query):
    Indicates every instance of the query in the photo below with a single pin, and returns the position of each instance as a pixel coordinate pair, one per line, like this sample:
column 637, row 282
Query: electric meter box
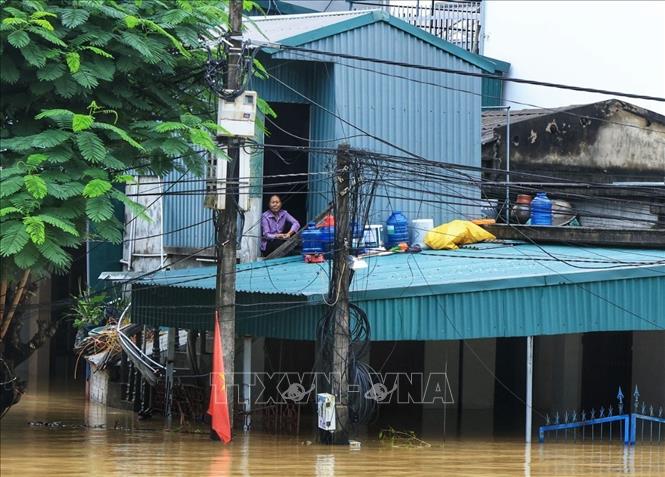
column 237, row 117
column 325, row 404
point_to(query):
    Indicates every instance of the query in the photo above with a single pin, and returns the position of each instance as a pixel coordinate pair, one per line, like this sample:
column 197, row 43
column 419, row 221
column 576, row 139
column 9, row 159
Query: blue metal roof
column 312, row 27
column 485, row 291
column 489, row 266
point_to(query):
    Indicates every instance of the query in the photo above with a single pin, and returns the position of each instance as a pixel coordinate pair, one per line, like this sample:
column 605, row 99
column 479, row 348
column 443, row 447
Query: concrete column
column 558, row 372
column 478, row 386
column 649, row 366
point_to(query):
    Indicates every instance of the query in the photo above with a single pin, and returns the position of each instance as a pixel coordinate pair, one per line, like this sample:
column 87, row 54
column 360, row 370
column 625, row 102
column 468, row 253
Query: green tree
column 92, row 90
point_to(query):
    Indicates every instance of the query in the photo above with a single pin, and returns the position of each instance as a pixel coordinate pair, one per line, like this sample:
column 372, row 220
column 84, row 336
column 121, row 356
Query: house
column 323, row 101
column 584, row 154
column 465, row 312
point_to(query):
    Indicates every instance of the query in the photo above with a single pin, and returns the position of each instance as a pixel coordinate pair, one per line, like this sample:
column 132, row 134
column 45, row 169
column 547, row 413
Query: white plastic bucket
column 419, row 227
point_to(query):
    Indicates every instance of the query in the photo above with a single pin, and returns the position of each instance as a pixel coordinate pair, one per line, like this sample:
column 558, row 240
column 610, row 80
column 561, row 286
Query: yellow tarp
column 458, row 232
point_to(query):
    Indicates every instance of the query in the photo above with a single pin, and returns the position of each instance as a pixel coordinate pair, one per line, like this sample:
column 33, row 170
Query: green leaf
column 170, row 126
column 109, row 230
column 45, row 24
column 14, row 238
column 174, row 147
column 10, row 73
column 134, row 207
column 73, row 17
column 202, row 138
column 81, row 122
column 35, row 55
column 120, row 132
column 36, row 159
column 96, row 188
column 18, row 39
column 66, row 87
column 73, row 61
column 36, row 229
column 54, row 253
column 124, row 179
column 99, row 209
column 27, row 257
column 10, row 186
column 63, row 224
column 36, row 186
column 43, row 14
column 65, row 191
column 51, row 72
column 85, row 77
column 190, row 120
column 98, row 51
column 9, row 210
column 48, row 36
column 131, row 21
column 91, row 147
column 55, row 114
column 50, row 138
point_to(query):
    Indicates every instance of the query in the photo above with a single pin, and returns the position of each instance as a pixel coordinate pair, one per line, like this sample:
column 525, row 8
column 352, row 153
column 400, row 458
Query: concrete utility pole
column 226, row 220
column 339, row 294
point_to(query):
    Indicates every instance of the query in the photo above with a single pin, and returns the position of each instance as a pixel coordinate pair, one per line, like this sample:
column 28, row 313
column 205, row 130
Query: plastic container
column 541, row 210
column 311, row 240
column 397, row 229
column 327, row 227
column 419, row 227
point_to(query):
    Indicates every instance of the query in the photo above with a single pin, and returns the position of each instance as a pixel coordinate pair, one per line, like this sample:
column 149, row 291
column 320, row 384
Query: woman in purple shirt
column 274, row 228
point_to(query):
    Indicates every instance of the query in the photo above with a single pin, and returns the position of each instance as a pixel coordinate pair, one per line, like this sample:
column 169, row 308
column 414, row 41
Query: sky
column 613, row 45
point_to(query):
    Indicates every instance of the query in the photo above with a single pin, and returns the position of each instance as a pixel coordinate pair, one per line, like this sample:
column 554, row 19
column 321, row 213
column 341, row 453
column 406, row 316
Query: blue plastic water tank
column 397, row 229
column 541, row 210
column 311, row 239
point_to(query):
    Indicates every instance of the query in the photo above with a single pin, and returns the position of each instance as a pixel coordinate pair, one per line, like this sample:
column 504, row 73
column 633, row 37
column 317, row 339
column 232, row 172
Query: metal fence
column 645, row 423
column 457, row 22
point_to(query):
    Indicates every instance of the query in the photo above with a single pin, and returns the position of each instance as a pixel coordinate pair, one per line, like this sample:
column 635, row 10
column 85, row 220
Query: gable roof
column 298, row 30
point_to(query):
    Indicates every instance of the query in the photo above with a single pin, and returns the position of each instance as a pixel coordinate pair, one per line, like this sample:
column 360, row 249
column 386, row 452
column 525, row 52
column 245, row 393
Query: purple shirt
column 271, row 225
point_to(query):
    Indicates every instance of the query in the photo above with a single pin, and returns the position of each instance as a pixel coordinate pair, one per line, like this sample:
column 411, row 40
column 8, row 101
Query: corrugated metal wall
column 611, row 305
column 439, row 123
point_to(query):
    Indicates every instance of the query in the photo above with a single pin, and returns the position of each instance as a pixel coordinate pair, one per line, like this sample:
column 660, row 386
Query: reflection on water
column 94, row 440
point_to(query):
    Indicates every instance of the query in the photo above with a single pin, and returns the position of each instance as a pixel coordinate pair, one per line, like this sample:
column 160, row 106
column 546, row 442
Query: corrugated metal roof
column 482, row 267
column 298, row 30
column 276, row 28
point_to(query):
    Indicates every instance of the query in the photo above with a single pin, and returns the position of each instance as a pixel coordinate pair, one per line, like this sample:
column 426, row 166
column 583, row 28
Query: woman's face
column 275, row 204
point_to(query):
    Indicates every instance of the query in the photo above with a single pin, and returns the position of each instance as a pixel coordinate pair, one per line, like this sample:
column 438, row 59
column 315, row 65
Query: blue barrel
column 327, row 237
column 311, row 239
column 541, row 210
column 397, row 229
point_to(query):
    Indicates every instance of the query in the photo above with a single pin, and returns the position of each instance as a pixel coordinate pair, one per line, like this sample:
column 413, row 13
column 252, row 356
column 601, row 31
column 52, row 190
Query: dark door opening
column 290, row 128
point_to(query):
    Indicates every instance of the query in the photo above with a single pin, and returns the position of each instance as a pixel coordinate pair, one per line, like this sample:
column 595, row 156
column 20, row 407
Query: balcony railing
column 457, row 22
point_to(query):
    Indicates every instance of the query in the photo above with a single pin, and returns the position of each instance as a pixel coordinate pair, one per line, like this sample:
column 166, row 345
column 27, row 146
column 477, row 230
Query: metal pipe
column 508, row 165
column 247, row 380
column 529, row 387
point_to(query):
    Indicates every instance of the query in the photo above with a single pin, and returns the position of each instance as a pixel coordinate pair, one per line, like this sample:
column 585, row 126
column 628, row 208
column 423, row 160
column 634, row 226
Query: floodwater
column 94, row 440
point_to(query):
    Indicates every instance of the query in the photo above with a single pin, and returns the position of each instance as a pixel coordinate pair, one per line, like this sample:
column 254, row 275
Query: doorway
column 285, row 170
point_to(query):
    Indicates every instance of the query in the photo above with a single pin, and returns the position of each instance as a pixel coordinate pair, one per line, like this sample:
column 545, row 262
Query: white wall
column 613, row 45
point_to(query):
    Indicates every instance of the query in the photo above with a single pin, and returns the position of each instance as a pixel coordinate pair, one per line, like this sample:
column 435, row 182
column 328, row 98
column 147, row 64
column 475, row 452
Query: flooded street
column 94, row 440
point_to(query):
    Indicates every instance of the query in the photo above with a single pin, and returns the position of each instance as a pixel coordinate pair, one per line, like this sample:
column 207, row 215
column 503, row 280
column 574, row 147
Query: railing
column 602, row 426
column 457, row 22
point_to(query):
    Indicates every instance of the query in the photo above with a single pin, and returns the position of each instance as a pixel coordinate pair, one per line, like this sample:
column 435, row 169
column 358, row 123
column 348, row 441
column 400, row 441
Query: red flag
column 218, row 407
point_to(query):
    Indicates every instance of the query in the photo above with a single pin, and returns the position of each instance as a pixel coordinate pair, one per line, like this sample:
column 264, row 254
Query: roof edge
column 486, row 64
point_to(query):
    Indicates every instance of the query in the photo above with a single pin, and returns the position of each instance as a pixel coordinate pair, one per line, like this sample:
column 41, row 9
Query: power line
column 454, row 71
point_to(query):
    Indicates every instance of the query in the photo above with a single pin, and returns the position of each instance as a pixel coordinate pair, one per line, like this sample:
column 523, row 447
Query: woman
column 274, row 228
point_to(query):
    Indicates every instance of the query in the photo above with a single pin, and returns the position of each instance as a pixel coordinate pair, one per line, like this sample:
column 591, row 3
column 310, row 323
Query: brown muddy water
column 124, row 446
